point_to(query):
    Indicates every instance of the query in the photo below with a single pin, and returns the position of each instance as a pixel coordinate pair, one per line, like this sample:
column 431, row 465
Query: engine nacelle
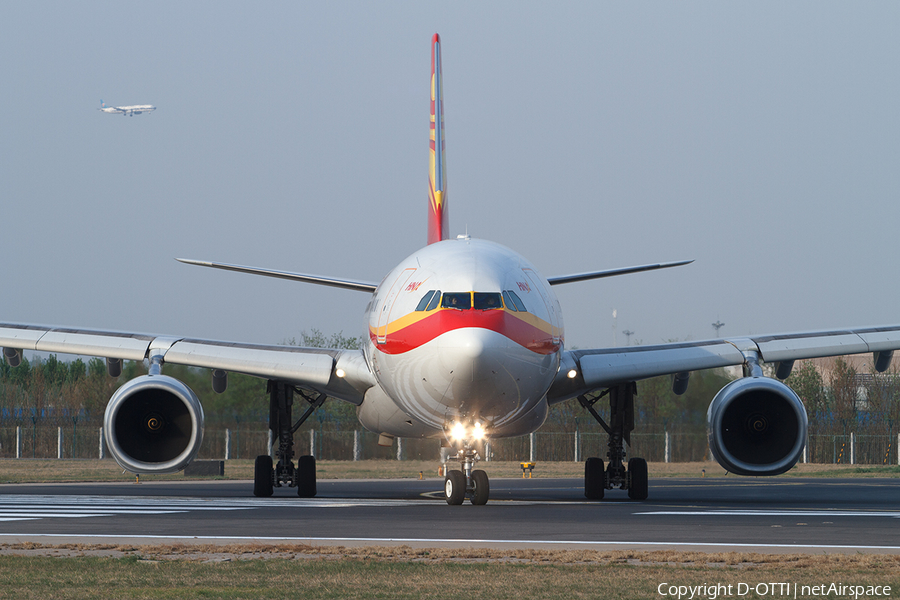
column 153, row 424
column 756, row 426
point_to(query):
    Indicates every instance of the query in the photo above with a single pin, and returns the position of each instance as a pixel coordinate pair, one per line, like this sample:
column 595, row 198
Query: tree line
column 843, row 399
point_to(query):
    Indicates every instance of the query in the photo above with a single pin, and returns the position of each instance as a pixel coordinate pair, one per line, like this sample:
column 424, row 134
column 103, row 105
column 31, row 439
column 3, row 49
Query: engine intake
column 756, row 426
column 153, row 424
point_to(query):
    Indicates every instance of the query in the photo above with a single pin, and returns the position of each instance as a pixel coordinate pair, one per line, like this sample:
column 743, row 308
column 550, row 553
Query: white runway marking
column 776, row 513
column 29, row 508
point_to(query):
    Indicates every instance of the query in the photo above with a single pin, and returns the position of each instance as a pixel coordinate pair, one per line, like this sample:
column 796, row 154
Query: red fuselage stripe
column 442, row 321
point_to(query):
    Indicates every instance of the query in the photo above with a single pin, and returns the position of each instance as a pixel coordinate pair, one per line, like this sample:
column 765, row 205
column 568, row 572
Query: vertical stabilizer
column 438, row 219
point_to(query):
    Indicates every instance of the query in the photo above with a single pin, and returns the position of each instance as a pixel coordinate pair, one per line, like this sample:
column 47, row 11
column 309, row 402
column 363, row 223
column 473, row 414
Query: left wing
column 582, row 371
column 613, row 272
column 337, row 373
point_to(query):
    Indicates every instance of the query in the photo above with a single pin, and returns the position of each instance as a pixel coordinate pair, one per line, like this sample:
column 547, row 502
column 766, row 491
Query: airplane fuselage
column 128, row 111
column 464, row 331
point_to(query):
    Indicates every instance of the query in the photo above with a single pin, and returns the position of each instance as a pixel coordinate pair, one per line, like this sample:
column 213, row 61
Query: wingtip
column 677, row 263
column 189, row 261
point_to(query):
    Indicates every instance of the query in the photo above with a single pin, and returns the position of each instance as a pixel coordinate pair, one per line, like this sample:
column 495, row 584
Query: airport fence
column 248, row 440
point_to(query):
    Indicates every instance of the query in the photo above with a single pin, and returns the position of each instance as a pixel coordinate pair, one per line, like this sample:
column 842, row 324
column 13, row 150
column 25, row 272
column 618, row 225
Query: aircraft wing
column 338, row 373
column 583, row 371
column 614, row 272
column 360, row 286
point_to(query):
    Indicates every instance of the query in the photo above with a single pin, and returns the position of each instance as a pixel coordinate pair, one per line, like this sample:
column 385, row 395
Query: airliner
column 464, row 343
column 128, row 111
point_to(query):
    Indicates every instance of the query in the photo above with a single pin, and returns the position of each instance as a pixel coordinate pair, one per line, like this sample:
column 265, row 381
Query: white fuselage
column 463, row 330
column 129, row 110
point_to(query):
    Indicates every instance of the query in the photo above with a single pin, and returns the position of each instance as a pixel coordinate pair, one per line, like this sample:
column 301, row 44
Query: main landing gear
column 621, row 423
column 467, row 483
column 267, row 476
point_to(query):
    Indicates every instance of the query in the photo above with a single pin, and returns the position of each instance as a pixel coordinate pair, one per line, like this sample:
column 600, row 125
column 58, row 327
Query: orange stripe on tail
column 438, row 220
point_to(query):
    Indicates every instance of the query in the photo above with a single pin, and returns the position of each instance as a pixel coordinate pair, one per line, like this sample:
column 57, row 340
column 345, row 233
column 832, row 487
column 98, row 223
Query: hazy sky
column 760, row 139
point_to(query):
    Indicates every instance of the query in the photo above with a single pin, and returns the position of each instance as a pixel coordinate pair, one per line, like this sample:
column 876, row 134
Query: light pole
column 615, row 338
column 717, row 326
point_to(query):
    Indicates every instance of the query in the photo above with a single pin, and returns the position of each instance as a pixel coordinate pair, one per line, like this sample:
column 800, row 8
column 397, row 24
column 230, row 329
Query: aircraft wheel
column 594, row 479
column 482, row 487
column 637, row 479
column 455, row 487
column 306, row 476
column 262, row 476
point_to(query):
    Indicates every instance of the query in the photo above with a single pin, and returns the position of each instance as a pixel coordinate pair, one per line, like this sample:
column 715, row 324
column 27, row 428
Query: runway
column 725, row 514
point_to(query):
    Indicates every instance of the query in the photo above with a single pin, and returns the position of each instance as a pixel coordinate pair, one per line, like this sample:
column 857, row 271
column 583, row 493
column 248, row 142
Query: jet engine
column 153, row 424
column 756, row 426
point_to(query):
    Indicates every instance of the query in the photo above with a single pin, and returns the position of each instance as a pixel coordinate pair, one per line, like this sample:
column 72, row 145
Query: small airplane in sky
column 128, row 111
column 464, row 342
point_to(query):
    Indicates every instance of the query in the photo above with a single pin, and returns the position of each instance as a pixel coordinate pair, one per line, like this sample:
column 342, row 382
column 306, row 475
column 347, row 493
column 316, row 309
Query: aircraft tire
column 482, row 488
column 262, row 476
column 594, row 478
column 637, row 479
column 306, row 477
column 455, row 487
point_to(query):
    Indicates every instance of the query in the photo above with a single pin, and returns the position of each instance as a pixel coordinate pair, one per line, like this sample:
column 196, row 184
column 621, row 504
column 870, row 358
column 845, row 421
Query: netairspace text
column 712, row 591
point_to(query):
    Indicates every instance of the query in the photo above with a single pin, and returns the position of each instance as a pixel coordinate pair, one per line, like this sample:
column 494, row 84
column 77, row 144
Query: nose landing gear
column 468, row 483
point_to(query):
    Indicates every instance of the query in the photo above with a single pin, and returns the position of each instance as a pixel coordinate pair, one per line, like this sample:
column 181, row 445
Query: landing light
column 458, row 431
column 572, row 374
column 340, row 373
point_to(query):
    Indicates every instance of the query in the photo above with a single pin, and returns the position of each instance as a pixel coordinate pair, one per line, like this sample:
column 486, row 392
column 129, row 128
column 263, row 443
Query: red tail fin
column 438, row 217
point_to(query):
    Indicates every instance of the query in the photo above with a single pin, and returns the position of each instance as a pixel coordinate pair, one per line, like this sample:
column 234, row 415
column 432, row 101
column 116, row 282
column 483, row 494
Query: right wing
column 360, row 286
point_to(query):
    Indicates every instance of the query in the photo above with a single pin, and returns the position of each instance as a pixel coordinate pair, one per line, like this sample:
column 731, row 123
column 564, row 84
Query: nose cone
column 474, row 346
column 472, row 362
column 471, row 355
column 489, row 376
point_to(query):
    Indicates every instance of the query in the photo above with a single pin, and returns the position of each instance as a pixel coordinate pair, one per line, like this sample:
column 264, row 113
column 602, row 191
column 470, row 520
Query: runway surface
column 743, row 514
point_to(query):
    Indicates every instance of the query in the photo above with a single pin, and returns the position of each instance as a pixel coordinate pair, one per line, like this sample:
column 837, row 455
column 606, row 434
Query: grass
column 29, row 470
column 403, row 572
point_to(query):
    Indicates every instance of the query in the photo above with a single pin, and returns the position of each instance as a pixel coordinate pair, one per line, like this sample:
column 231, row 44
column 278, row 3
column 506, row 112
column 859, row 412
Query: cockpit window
column 424, row 301
column 509, row 303
column 516, row 300
column 458, row 300
column 435, row 300
column 487, row 301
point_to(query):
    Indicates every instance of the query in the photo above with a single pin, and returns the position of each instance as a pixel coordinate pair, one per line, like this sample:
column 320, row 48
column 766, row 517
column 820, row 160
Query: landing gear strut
column 621, row 417
column 468, row 483
column 267, row 476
